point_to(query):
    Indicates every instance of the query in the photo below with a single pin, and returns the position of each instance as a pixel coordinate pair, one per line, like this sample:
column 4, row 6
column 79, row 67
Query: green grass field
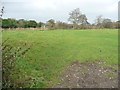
column 52, row 51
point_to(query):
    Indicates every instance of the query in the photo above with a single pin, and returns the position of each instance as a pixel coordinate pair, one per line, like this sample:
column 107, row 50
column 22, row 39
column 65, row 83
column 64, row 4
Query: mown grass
column 54, row 50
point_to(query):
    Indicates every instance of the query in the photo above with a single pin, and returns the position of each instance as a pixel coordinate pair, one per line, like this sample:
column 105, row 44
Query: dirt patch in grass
column 88, row 75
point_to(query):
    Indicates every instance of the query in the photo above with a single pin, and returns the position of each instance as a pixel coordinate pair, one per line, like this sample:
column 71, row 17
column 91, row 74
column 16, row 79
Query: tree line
column 13, row 23
column 76, row 19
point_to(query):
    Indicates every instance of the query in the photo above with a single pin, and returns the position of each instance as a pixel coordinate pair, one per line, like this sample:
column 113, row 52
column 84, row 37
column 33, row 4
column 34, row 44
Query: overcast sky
column 43, row 10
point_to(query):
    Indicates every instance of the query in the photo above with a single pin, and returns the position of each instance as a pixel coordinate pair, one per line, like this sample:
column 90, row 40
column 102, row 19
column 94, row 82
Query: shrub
column 9, row 56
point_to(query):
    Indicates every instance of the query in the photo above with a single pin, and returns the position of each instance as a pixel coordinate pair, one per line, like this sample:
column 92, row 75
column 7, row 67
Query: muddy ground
column 88, row 75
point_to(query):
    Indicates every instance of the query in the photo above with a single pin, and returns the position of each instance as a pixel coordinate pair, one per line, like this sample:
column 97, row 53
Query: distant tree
column 83, row 19
column 116, row 24
column 5, row 23
column 32, row 24
column 62, row 25
column 40, row 24
column 59, row 25
column 13, row 23
column 106, row 20
column 103, row 22
column 99, row 20
column 107, row 23
column 51, row 24
column 9, row 23
column 77, row 18
column 22, row 23
column 26, row 24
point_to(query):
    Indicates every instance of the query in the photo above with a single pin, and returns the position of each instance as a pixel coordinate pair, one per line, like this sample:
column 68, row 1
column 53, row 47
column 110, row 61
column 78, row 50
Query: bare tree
column 74, row 16
column 99, row 20
column 77, row 18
